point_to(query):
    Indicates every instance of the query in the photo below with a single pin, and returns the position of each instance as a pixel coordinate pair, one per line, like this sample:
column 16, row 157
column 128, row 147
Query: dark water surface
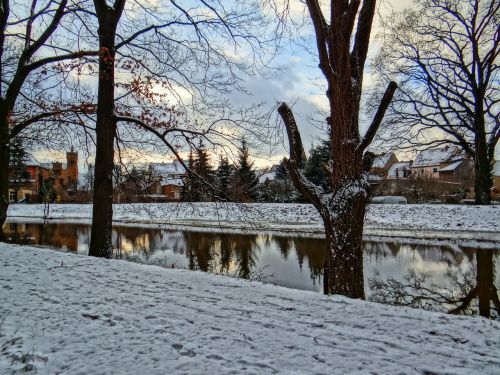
column 397, row 271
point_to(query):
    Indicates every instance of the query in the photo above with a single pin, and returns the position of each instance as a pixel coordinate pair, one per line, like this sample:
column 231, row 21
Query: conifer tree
column 17, row 165
column 315, row 167
column 197, row 187
column 225, row 173
column 245, row 182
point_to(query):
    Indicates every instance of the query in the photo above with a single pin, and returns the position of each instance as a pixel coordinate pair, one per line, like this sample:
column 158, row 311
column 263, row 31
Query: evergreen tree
column 285, row 190
column 18, row 157
column 224, row 174
column 196, row 189
column 245, row 182
column 315, row 169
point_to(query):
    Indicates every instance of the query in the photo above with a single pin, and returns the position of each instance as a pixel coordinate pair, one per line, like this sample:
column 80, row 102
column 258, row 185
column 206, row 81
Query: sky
column 295, row 80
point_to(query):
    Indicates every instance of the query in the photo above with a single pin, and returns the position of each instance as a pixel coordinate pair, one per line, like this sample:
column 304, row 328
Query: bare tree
column 173, row 49
column 444, row 54
column 28, row 48
column 108, row 17
column 342, row 49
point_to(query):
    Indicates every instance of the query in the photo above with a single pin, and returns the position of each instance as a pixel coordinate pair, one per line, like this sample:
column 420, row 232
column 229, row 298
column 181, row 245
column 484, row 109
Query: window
column 12, row 196
column 434, row 170
column 71, row 162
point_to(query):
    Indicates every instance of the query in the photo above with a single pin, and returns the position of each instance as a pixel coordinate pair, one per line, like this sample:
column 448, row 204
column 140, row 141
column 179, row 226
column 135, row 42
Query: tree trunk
column 4, row 161
column 482, row 163
column 342, row 55
column 482, row 177
column 102, row 210
column 485, row 281
column 343, row 266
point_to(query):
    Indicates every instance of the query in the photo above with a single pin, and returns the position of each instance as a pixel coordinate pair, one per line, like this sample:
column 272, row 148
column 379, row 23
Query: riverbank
column 65, row 313
column 417, row 221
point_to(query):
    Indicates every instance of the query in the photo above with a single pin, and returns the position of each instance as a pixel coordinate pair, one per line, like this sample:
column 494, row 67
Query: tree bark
column 4, row 161
column 102, row 210
column 482, row 165
column 342, row 210
column 343, row 269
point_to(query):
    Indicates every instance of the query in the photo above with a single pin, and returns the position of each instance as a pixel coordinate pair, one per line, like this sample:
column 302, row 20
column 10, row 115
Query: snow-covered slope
column 287, row 217
column 65, row 313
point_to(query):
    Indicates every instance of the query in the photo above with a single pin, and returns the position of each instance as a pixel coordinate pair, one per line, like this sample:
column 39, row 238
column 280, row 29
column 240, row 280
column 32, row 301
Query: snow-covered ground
column 72, row 314
column 429, row 221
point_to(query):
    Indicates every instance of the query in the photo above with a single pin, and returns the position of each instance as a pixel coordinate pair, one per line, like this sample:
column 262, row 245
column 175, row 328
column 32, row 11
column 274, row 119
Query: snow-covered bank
column 72, row 314
column 428, row 221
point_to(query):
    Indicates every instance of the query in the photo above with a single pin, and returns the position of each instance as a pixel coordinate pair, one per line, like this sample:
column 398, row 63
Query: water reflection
column 444, row 277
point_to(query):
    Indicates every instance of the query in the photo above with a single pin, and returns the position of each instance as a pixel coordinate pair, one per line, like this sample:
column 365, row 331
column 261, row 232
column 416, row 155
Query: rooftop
column 380, row 161
column 436, row 156
column 164, row 169
column 451, row 167
column 271, row 176
column 398, row 166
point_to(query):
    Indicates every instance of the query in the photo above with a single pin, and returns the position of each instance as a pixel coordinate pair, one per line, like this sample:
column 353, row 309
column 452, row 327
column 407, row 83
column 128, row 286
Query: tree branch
column 362, row 39
column 30, row 51
column 320, row 28
column 297, row 158
column 379, row 116
column 162, row 137
column 52, row 59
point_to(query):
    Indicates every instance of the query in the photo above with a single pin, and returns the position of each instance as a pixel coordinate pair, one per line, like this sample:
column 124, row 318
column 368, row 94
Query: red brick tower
column 72, row 168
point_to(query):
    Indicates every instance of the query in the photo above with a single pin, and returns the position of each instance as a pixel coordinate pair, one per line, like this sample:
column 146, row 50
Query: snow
column 430, row 221
column 374, row 177
column 271, row 176
column 65, row 313
column 380, row 161
column 436, row 156
column 165, row 169
column 397, row 169
column 450, row 167
column 172, row 181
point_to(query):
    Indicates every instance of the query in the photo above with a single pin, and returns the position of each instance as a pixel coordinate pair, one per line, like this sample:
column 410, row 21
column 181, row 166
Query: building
column 442, row 163
column 65, row 175
column 266, row 178
column 382, row 164
column 170, row 178
column 380, row 167
column 399, row 170
column 62, row 176
column 460, row 171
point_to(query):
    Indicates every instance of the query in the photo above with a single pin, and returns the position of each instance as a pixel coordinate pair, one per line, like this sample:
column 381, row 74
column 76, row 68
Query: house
column 382, row 163
column 265, row 178
column 440, row 163
column 399, row 170
column 460, row 171
column 170, row 177
column 63, row 177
